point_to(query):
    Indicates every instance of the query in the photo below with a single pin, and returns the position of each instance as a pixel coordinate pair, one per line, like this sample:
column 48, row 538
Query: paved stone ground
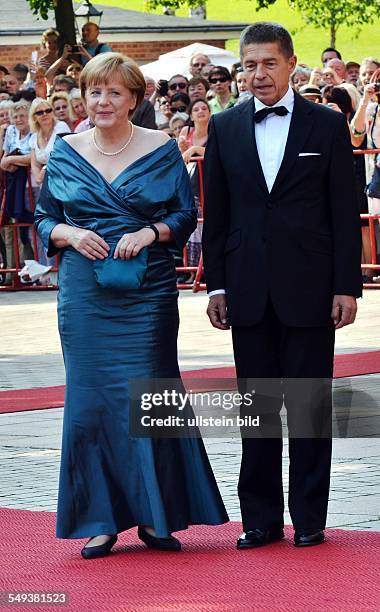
column 30, row 441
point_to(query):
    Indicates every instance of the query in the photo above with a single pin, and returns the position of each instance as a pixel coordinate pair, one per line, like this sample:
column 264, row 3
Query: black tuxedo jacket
column 300, row 243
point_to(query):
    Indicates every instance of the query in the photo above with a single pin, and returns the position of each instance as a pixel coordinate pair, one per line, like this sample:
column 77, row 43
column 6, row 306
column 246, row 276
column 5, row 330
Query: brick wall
column 142, row 52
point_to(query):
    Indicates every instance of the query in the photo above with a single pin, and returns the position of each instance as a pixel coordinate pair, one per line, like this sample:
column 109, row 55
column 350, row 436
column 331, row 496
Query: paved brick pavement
column 30, row 441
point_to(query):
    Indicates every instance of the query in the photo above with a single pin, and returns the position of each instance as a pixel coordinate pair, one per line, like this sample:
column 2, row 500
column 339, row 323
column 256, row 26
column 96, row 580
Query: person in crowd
column 4, row 95
column 90, row 43
column 179, row 103
column 242, row 87
column 62, row 83
column 150, row 87
column 62, row 109
column 353, row 93
column 145, row 115
column 220, row 83
column 280, row 190
column 310, row 92
column 177, row 84
column 301, row 76
column 49, row 49
column 198, row 88
column 368, row 68
column 60, row 66
column 330, row 77
column 177, row 123
column 84, row 125
column 197, row 62
column 16, row 165
column 192, row 143
column 20, row 71
column 74, row 71
column 165, row 114
column 44, row 128
column 5, row 111
column 3, row 71
column 316, row 78
column 328, row 54
column 125, row 215
column 205, row 72
column 11, row 84
column 353, row 73
column 339, row 99
column 78, row 109
column 366, row 122
column 339, row 67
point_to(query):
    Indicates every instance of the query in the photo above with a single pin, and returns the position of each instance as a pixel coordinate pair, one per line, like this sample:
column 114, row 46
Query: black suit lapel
column 246, row 142
column 299, row 130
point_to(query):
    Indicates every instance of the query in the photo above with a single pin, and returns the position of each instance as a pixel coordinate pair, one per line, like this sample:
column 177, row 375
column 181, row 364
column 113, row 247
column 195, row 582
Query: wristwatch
column 156, row 232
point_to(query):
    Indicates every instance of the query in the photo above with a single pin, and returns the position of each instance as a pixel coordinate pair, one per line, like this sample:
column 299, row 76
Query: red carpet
column 207, row 379
column 210, row 575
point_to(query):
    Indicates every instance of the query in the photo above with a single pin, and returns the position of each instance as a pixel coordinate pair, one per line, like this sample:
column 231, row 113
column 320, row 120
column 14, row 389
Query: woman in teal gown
column 110, row 481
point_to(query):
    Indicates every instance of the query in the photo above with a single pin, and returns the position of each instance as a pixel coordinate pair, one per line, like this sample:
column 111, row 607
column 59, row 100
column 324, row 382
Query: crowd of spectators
column 41, row 100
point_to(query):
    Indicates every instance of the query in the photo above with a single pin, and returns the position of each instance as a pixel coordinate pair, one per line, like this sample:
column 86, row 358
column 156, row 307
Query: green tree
column 331, row 14
column 64, row 16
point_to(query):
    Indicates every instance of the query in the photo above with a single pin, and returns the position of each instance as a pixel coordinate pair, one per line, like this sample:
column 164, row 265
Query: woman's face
column 4, row 117
column 328, row 77
column 366, row 72
column 44, row 116
column 197, row 91
column 299, row 79
column 110, row 104
column 20, row 120
column 61, row 109
column 177, row 127
column 74, row 73
column 241, row 82
column 78, row 108
column 165, row 108
column 200, row 113
column 51, row 44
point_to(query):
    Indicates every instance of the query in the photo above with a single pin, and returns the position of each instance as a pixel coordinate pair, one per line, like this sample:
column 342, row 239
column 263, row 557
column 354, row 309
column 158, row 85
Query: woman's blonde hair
column 46, row 33
column 21, row 104
column 106, row 66
column 62, row 95
column 33, row 124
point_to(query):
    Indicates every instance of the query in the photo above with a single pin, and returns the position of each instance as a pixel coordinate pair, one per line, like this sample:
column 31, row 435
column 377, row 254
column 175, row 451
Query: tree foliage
column 331, row 14
column 173, row 4
column 64, row 16
column 41, row 7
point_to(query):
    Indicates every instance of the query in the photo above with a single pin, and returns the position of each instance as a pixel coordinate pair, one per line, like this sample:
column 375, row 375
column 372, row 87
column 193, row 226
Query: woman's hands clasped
column 88, row 243
column 130, row 245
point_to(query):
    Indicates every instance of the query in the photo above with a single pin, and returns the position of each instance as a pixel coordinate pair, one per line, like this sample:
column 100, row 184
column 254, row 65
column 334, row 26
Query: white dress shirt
column 271, row 136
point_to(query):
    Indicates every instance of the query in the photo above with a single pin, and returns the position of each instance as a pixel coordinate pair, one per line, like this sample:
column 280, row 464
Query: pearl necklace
column 116, row 152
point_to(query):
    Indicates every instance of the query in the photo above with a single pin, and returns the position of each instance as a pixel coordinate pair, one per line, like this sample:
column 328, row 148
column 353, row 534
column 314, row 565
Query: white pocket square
column 307, row 154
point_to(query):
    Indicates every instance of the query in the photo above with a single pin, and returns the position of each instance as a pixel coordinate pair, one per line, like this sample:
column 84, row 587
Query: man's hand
column 217, row 311
column 343, row 310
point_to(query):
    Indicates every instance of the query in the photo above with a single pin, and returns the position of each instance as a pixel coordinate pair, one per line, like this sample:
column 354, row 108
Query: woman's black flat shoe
column 95, row 552
column 171, row 544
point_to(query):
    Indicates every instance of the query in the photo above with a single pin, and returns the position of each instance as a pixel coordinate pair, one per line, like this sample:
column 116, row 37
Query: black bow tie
column 268, row 110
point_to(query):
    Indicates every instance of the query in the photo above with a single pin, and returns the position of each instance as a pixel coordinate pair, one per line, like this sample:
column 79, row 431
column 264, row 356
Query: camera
column 163, row 87
column 74, row 48
column 377, row 87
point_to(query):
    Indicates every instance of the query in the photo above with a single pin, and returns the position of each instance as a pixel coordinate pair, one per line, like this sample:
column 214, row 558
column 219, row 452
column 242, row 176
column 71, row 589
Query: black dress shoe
column 94, row 552
column 307, row 538
column 259, row 537
column 170, row 543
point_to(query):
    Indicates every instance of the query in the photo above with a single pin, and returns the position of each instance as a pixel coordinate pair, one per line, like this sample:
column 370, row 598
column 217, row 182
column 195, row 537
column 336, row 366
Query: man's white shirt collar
column 287, row 100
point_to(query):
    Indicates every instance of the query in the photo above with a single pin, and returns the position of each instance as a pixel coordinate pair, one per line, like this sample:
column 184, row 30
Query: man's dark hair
column 338, row 96
column 198, row 79
column 329, row 49
column 63, row 79
column 267, row 32
column 180, row 97
column 4, row 69
column 24, row 94
column 220, row 70
column 21, row 68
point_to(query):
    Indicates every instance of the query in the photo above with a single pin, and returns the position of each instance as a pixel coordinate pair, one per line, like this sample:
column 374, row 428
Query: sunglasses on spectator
column 215, row 80
column 47, row 111
column 58, row 108
column 175, row 86
column 199, row 65
column 164, row 103
column 179, row 109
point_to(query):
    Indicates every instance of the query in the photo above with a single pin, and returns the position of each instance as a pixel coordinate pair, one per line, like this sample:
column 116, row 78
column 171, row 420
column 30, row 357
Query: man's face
column 90, row 33
column 11, row 84
column 177, row 85
column 268, row 71
column 328, row 55
column 353, row 74
column 338, row 66
column 198, row 62
column 219, row 83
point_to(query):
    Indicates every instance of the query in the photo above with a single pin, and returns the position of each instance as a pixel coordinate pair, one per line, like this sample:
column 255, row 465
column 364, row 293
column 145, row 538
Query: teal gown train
column 110, row 481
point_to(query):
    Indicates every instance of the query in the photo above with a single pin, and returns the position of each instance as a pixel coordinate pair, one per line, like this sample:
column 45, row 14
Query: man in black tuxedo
column 281, row 246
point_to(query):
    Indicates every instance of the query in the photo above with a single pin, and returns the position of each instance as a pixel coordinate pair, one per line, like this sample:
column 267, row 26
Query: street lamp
column 87, row 13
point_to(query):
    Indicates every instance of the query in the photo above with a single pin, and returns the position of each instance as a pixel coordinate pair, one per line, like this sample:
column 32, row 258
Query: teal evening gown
column 110, row 481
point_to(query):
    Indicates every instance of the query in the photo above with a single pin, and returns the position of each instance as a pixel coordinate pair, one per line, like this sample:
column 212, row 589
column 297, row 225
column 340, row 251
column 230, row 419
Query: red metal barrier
column 198, row 284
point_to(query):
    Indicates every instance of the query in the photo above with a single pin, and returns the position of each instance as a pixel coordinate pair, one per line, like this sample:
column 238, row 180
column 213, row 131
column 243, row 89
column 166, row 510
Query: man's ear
column 292, row 62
